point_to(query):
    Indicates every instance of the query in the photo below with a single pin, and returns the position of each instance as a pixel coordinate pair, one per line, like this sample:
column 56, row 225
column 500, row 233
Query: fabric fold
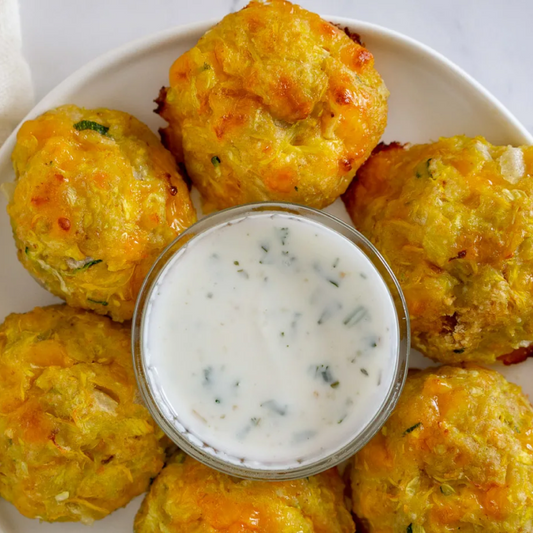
column 16, row 90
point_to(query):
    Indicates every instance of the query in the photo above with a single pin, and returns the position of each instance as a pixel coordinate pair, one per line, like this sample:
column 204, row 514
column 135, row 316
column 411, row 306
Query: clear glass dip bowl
column 163, row 413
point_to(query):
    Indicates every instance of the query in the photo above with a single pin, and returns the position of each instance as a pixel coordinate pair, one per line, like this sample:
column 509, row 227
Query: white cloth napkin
column 16, row 90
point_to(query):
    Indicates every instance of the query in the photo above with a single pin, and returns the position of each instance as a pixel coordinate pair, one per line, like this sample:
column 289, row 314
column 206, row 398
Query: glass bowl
column 162, row 411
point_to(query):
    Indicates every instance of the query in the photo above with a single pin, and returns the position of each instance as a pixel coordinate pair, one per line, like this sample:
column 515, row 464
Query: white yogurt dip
column 271, row 339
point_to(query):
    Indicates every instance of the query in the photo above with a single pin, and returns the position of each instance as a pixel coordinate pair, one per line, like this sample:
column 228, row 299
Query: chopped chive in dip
column 208, row 373
column 335, row 384
column 355, row 316
column 215, row 160
column 90, row 125
column 328, row 313
column 364, row 371
column 322, row 371
column 274, row 406
column 334, row 283
column 283, row 234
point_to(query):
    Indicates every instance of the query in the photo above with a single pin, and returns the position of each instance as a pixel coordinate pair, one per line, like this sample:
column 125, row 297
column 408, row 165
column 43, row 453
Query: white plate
column 430, row 97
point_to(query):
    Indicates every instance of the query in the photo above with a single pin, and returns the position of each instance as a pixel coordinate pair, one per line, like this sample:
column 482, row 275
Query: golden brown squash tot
column 454, row 219
column 456, row 455
column 75, row 442
column 273, row 103
column 190, row 497
column 96, row 200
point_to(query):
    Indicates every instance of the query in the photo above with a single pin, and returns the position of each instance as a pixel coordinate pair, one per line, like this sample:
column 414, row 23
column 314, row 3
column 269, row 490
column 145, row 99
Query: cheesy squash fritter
column 75, row 441
column 190, row 497
column 273, row 103
column 455, row 455
column 454, row 219
column 96, row 200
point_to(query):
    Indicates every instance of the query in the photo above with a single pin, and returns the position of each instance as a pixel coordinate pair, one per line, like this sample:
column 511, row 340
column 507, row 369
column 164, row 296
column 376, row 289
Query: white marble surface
column 490, row 39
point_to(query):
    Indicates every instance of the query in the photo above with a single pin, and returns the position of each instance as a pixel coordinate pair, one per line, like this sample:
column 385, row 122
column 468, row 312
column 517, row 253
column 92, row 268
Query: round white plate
column 430, row 97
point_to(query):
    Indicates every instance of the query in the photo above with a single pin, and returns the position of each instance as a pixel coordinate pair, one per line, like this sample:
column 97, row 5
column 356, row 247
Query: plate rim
column 144, row 44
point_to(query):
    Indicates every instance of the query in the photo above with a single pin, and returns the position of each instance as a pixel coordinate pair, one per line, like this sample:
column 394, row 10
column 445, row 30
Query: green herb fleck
column 88, row 265
column 328, row 313
column 364, row 371
column 283, row 233
column 423, row 170
column 265, row 248
column 283, row 334
column 334, row 283
column 324, row 372
column 296, row 189
column 275, row 407
column 461, row 350
column 446, row 490
column 412, row 428
column 255, row 421
column 97, row 302
column 217, row 400
column 355, row 316
column 215, row 160
column 208, row 371
column 27, row 250
column 90, row 125
column 409, row 529
column 335, row 384
column 236, row 263
column 336, row 262
column 206, row 66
